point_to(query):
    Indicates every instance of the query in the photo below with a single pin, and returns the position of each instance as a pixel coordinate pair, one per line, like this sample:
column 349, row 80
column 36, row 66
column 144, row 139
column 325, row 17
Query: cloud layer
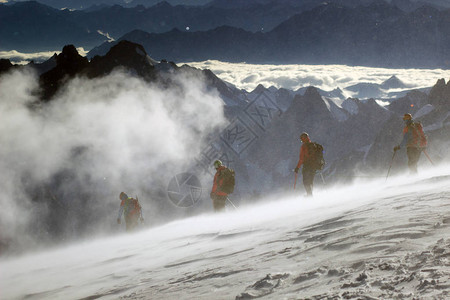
column 326, row 77
column 38, row 57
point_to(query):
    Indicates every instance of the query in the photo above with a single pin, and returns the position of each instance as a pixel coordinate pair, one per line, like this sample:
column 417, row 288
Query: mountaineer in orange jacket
column 415, row 141
column 308, row 172
column 131, row 210
column 218, row 197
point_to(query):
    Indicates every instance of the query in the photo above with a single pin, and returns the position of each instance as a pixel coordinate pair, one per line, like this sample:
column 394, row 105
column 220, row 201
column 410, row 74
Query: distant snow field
column 373, row 240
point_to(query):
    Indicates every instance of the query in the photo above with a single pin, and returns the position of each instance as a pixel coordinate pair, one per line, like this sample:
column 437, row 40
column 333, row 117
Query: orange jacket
column 130, row 207
column 304, row 154
column 413, row 136
column 218, row 183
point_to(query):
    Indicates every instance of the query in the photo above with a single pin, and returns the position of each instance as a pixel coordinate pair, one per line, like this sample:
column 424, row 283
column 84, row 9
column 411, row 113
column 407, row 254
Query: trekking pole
column 295, row 182
column 429, row 158
column 323, row 180
column 232, row 203
column 392, row 160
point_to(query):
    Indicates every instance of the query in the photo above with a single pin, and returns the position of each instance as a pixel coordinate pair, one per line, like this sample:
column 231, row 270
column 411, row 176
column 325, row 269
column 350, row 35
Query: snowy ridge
column 373, row 240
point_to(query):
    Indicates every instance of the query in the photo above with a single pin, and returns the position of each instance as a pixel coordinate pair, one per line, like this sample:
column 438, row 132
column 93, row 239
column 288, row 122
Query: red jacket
column 413, row 136
column 218, row 183
column 304, row 154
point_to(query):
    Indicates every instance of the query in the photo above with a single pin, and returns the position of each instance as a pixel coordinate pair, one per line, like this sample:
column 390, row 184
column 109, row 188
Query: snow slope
column 372, row 240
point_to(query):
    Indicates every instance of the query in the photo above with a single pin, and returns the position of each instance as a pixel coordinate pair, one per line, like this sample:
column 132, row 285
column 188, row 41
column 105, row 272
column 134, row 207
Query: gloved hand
column 142, row 220
column 211, row 195
column 296, row 170
column 396, row 148
column 118, row 221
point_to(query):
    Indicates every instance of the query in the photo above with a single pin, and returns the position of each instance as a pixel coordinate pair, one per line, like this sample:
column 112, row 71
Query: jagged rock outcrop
column 5, row 65
column 440, row 94
column 126, row 55
column 68, row 64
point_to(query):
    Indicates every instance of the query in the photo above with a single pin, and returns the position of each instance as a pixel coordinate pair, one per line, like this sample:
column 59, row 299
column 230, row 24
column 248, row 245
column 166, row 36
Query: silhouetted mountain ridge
column 377, row 35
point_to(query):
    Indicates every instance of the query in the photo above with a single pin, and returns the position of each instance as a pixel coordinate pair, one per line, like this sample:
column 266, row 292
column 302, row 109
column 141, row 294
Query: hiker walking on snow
column 131, row 210
column 311, row 163
column 415, row 141
column 223, row 185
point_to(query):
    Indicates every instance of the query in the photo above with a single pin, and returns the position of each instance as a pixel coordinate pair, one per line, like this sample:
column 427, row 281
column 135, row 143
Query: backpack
column 316, row 160
column 419, row 137
column 228, row 180
column 132, row 207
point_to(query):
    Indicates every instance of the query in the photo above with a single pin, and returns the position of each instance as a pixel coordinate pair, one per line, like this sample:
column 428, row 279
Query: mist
column 95, row 139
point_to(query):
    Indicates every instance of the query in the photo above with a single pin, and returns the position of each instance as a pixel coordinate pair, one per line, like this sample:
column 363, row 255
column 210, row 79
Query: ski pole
column 392, row 160
column 295, row 182
column 231, row 203
column 429, row 158
column 323, row 180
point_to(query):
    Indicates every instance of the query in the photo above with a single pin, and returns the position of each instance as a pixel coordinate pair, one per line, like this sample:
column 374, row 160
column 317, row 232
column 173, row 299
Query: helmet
column 304, row 134
column 217, row 164
column 123, row 196
column 407, row 117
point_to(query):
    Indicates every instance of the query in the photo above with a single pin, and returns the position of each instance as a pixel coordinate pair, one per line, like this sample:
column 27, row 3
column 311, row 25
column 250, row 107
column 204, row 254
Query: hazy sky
column 326, row 77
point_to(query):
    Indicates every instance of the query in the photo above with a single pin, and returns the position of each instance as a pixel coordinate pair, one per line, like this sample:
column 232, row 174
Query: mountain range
column 285, row 112
column 47, row 28
column 376, row 35
column 260, row 140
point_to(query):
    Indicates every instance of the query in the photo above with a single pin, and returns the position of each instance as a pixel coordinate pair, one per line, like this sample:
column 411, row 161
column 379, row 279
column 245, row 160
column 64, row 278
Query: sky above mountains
column 87, row 3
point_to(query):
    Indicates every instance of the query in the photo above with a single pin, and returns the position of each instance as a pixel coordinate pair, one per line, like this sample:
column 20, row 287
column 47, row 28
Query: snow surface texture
column 373, row 240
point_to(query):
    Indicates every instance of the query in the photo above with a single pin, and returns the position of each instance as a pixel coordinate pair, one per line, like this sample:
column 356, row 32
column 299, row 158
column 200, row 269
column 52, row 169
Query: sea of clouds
column 326, row 77
column 295, row 76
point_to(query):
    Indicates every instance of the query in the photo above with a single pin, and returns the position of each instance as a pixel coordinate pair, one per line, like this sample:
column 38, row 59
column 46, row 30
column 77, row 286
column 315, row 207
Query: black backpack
column 227, row 175
column 316, row 161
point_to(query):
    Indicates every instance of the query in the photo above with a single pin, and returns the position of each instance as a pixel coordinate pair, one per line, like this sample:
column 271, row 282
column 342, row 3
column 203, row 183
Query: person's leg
column 219, row 203
column 128, row 225
column 308, row 180
column 413, row 158
column 134, row 222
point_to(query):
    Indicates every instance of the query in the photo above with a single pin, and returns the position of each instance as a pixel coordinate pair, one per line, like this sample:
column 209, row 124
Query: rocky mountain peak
column 68, row 63
column 392, row 83
column 5, row 65
column 129, row 55
column 312, row 92
column 440, row 93
column 70, row 60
